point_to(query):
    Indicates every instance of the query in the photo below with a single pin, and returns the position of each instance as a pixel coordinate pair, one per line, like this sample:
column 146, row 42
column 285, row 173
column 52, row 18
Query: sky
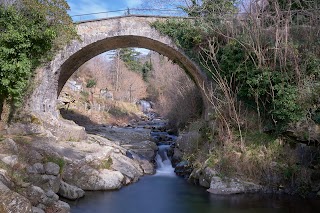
column 79, row 7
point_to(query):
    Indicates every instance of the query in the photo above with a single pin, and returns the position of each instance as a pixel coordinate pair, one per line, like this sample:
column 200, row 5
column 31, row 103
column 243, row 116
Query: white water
column 164, row 166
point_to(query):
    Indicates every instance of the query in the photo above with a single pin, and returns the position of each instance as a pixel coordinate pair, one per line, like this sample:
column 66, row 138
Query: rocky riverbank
column 36, row 170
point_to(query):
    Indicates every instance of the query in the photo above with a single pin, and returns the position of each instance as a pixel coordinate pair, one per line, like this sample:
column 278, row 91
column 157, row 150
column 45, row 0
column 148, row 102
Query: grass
column 57, row 160
column 106, row 164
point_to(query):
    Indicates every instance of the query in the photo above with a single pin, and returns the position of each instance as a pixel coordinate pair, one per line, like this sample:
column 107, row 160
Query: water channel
column 166, row 192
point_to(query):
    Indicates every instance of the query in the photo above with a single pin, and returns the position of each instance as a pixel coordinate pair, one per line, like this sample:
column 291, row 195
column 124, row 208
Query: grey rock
column 11, row 160
column 52, row 168
column 183, row 169
column 126, row 166
column 88, row 178
column 52, row 195
column 147, row 149
column 206, row 176
column 8, row 146
column 35, row 194
column 46, row 182
column 36, row 168
column 11, row 201
column 37, row 210
column 4, row 178
column 70, row 192
column 147, row 167
column 59, row 207
column 231, row 186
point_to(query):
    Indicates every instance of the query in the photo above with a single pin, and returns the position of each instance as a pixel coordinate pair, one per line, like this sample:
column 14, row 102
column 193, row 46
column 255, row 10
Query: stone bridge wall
column 97, row 37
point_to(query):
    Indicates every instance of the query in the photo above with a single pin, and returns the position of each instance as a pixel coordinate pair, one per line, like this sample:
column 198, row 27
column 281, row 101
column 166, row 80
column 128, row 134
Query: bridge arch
column 100, row 36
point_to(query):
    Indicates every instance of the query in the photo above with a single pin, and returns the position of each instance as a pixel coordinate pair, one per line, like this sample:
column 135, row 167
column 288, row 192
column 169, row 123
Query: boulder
column 36, row 168
column 88, row 178
column 232, row 186
column 183, row 169
column 206, row 176
column 35, row 195
column 52, row 168
column 8, row 146
column 70, row 192
column 11, row 160
column 37, row 210
column 46, row 182
column 126, row 166
column 11, row 201
column 38, row 196
column 147, row 149
column 4, row 178
column 177, row 156
column 147, row 167
column 59, row 207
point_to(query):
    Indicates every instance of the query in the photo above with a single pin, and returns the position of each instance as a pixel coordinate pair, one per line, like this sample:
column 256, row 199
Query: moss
column 106, row 164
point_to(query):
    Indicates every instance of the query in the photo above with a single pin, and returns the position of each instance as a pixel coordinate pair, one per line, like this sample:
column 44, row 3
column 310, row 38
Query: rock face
column 8, row 146
column 126, row 166
column 46, row 182
column 231, row 186
column 147, row 149
column 183, row 169
column 70, row 192
column 36, row 168
column 11, row 201
column 51, row 168
column 88, row 178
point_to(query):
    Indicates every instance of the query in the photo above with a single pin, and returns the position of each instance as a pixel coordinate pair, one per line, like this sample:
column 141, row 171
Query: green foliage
column 130, row 57
column 91, row 83
column 146, row 69
column 185, row 33
column 28, row 34
column 57, row 160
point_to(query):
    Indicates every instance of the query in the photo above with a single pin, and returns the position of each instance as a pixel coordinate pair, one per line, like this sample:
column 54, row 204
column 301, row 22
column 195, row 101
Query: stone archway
column 97, row 37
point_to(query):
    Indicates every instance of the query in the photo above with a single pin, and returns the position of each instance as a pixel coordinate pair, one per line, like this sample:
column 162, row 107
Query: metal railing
column 127, row 12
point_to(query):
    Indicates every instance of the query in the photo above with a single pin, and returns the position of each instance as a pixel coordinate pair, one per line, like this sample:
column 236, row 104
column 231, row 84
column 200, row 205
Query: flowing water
column 164, row 192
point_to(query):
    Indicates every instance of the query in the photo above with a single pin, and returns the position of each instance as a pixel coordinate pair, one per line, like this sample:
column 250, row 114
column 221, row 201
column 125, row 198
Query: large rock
column 46, row 182
column 206, row 176
column 8, row 146
column 147, row 149
column 59, row 207
column 177, row 156
column 88, row 178
column 183, row 169
column 4, row 178
column 38, row 196
column 126, row 166
column 231, row 186
column 36, row 168
column 10, row 160
column 51, row 168
column 37, row 210
column 70, row 192
column 11, row 202
column 147, row 166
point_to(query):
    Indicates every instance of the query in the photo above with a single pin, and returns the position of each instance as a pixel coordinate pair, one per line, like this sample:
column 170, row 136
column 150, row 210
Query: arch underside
column 111, row 43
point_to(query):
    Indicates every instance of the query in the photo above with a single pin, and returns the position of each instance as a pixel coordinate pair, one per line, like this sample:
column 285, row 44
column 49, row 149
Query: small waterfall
column 164, row 166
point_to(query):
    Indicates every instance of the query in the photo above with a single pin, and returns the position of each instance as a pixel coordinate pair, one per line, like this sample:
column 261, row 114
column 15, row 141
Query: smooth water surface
column 166, row 193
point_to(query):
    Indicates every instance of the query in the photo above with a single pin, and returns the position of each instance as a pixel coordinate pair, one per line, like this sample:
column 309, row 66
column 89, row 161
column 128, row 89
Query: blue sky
column 79, row 7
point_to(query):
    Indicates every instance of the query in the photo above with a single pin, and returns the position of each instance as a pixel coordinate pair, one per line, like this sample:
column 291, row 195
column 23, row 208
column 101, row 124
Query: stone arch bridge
column 99, row 36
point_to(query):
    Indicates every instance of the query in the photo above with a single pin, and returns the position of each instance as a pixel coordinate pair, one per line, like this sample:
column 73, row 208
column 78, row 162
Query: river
column 165, row 192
